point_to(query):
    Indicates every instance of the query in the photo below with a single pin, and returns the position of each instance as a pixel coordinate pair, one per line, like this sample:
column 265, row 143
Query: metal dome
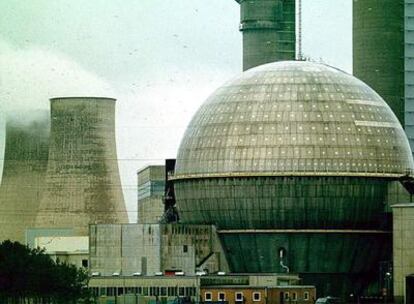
column 294, row 118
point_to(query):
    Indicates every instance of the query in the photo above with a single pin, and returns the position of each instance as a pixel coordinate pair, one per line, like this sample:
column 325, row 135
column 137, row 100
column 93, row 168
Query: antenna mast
column 299, row 30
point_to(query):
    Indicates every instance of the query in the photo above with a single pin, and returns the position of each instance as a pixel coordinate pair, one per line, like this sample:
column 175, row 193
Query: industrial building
column 295, row 157
column 298, row 294
column 151, row 190
column 403, row 253
column 24, row 171
column 149, row 249
column 82, row 177
column 168, row 289
column 290, row 168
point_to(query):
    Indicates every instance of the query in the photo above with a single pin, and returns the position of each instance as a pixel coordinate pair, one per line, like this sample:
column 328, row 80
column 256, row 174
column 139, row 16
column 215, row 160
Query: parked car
column 330, row 300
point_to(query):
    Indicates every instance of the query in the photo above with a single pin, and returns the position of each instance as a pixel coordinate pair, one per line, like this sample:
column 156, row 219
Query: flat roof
column 146, row 167
column 82, row 97
column 259, row 286
column 403, row 205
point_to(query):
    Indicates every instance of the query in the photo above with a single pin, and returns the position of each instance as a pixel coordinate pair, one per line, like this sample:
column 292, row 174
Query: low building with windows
column 258, row 294
column 144, row 289
column 67, row 249
column 233, row 288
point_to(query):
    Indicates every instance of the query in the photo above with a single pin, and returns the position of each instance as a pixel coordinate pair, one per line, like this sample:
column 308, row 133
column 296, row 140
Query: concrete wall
column 63, row 243
column 151, row 248
column 403, row 247
column 125, row 249
column 150, row 209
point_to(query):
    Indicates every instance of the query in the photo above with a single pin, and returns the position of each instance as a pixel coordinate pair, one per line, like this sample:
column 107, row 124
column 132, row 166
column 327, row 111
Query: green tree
column 30, row 275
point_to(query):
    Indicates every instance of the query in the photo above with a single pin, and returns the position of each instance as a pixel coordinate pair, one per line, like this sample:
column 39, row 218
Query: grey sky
column 159, row 58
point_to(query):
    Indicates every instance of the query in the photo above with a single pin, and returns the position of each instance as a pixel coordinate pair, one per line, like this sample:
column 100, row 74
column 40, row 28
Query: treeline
column 29, row 276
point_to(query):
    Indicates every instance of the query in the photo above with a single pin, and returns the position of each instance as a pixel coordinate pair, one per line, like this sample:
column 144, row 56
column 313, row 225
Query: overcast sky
column 159, row 58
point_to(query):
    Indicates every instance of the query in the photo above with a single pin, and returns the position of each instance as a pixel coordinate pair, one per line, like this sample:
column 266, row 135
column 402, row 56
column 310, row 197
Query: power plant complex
column 295, row 177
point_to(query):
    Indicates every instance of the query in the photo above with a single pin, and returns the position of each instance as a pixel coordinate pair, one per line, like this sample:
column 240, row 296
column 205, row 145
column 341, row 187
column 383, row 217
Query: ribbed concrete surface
column 82, row 180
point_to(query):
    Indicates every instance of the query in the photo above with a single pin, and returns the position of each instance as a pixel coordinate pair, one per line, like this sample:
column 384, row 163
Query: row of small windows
column 256, row 296
column 238, row 296
column 177, row 229
column 144, row 291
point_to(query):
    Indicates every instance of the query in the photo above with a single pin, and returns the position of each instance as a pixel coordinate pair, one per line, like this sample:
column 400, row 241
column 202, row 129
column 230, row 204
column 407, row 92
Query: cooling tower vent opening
column 82, row 97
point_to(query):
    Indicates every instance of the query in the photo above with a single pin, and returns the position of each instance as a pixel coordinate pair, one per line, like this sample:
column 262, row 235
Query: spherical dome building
column 294, row 155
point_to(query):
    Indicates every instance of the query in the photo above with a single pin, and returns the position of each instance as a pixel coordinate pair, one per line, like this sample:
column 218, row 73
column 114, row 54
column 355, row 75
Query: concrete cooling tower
column 24, row 171
column 82, row 179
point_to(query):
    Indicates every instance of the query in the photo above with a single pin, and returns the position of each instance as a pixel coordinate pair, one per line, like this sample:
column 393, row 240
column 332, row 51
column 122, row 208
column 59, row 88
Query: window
column 256, row 296
column 120, row 291
column 207, row 296
column 239, row 296
column 221, row 296
column 110, row 291
column 85, row 263
column 94, row 291
column 294, row 296
column 185, row 248
column 286, row 296
column 145, row 291
column 172, row 291
column 306, row 296
column 181, row 292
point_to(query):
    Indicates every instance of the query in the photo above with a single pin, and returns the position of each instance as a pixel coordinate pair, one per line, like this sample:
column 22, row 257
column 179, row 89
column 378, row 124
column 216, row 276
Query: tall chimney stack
column 269, row 31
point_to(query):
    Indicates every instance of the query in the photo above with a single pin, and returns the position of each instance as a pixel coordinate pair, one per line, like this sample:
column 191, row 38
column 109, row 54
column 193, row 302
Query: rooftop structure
column 291, row 162
column 151, row 184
